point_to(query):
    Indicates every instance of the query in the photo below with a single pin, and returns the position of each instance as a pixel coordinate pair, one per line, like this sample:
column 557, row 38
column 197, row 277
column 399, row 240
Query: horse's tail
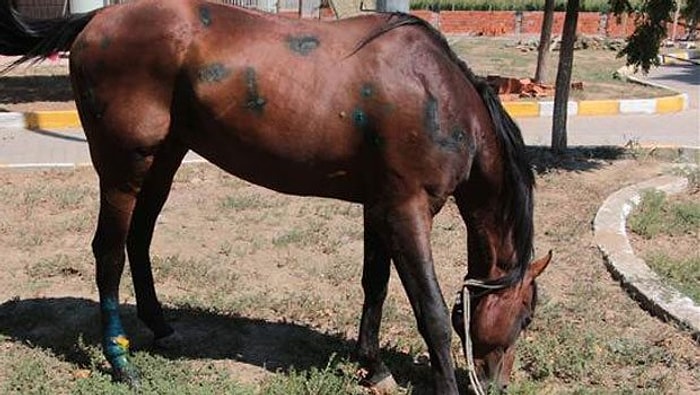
column 35, row 39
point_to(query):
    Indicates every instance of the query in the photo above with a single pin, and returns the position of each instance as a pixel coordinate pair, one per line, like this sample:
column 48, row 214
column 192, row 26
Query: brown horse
column 375, row 110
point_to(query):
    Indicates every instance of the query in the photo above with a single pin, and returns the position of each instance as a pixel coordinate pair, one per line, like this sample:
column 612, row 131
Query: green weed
column 683, row 274
column 240, row 202
column 654, row 216
column 335, row 378
column 57, row 265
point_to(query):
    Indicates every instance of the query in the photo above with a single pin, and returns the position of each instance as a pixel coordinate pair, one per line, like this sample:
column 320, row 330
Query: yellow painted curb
column 52, row 119
column 599, row 107
column 522, row 109
column 670, row 104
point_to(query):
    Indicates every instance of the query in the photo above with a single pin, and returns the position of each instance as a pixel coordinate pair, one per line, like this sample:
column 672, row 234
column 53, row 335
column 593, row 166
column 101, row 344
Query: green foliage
column 683, row 274
column 334, row 378
column 647, row 219
column 691, row 12
column 654, row 216
column 163, row 376
column 642, row 47
column 28, row 377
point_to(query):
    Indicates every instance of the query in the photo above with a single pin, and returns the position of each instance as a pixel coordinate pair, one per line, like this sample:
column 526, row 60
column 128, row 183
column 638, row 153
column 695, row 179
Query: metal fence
column 55, row 8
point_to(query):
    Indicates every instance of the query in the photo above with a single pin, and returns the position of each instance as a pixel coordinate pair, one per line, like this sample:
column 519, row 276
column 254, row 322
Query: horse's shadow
column 66, row 325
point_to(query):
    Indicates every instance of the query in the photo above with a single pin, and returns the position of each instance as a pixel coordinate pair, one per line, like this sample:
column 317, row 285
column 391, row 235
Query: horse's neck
column 490, row 246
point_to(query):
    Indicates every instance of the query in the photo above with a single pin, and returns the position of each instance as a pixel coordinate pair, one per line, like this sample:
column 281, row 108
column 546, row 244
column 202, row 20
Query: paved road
column 679, row 129
column 68, row 147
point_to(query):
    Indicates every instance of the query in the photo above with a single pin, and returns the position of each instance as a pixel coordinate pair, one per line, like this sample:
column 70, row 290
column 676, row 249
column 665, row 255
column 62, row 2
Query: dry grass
column 266, row 292
column 594, row 67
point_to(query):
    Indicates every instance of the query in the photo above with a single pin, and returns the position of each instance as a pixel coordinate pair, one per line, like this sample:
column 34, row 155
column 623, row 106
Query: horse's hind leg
column 154, row 192
column 120, row 174
column 375, row 277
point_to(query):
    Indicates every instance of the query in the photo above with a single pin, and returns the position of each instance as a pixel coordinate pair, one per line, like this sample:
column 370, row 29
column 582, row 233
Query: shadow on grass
column 28, row 89
column 60, row 325
column 577, row 159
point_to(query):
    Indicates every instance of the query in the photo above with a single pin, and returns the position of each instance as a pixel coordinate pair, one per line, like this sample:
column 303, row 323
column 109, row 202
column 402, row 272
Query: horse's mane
column 518, row 177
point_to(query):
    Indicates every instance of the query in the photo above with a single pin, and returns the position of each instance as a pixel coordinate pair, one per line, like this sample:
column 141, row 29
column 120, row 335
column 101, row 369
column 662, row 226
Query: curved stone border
column 680, row 57
column 635, row 276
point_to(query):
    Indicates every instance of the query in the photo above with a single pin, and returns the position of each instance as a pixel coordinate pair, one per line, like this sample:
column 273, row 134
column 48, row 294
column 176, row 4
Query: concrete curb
column 11, row 120
column 661, row 105
column 680, row 57
column 636, row 277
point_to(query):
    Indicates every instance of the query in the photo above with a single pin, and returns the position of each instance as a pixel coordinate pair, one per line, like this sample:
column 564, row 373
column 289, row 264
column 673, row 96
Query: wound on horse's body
column 254, row 101
column 215, row 72
column 304, row 44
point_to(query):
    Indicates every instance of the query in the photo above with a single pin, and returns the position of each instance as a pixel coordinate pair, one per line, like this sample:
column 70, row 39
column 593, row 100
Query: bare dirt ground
column 256, row 282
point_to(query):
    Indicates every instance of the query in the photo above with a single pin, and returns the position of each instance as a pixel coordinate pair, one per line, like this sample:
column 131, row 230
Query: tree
column 563, row 83
column 691, row 14
column 545, row 40
column 642, row 48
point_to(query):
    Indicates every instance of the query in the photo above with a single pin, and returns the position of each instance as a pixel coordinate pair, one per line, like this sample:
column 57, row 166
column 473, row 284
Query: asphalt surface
column 67, row 147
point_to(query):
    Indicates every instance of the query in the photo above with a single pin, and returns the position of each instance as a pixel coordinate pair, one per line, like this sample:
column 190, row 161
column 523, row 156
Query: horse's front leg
column 409, row 227
column 375, row 277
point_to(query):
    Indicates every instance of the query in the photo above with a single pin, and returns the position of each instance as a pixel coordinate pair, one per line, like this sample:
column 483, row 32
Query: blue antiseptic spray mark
column 114, row 342
column 205, row 15
column 360, row 118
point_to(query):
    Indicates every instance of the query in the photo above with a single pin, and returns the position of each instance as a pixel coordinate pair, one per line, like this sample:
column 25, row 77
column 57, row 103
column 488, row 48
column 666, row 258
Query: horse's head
column 496, row 319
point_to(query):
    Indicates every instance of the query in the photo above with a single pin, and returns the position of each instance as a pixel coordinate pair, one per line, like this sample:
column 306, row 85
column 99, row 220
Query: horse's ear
column 538, row 266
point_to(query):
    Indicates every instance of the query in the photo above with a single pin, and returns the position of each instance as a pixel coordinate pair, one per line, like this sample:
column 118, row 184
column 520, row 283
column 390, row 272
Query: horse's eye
column 527, row 320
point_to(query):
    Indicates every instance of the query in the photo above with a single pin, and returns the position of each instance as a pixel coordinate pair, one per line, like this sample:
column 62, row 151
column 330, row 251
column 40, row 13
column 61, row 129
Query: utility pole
column 393, row 6
column 310, row 9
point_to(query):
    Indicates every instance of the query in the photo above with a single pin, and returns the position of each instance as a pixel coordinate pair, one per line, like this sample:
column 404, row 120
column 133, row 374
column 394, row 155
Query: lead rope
column 467, row 344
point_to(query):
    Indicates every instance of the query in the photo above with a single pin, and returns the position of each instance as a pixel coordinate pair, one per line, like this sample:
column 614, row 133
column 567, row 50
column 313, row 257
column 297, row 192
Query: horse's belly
column 296, row 170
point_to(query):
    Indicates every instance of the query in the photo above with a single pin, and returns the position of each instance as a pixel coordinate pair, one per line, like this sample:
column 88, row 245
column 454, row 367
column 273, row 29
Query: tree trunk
column 545, row 40
column 563, row 84
column 676, row 15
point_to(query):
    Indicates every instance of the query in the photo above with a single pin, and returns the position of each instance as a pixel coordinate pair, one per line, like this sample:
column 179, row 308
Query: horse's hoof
column 127, row 375
column 172, row 341
column 380, row 384
column 385, row 386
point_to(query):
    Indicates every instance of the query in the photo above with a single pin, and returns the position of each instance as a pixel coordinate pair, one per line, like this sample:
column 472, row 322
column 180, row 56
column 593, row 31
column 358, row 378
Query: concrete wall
column 496, row 23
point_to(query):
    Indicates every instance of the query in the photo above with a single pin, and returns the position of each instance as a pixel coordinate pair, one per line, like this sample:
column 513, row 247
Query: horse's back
column 289, row 104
